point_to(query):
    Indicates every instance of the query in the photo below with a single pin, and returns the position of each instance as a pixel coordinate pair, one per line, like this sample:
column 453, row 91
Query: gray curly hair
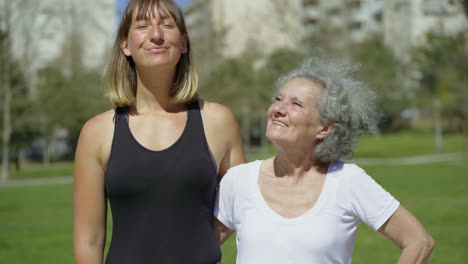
column 346, row 103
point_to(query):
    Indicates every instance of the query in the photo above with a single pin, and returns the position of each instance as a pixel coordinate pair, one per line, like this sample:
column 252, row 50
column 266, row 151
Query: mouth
column 279, row 123
column 157, row 49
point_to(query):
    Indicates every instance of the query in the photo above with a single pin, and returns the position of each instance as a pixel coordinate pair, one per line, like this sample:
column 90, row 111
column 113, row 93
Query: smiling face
column 154, row 40
column 293, row 118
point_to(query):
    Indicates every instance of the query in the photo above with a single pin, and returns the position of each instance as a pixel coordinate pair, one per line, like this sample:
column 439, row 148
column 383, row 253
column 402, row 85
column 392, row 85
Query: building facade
column 224, row 28
column 407, row 22
column 275, row 24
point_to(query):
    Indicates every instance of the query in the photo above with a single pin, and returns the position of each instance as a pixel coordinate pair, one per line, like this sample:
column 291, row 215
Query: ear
column 184, row 44
column 124, row 47
column 325, row 130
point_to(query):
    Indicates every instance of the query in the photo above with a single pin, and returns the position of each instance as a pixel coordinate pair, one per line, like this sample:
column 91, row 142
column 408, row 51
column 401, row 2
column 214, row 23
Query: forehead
column 301, row 88
column 151, row 10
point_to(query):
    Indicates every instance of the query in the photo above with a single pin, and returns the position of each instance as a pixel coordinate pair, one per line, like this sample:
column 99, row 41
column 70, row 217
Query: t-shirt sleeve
column 369, row 201
column 224, row 201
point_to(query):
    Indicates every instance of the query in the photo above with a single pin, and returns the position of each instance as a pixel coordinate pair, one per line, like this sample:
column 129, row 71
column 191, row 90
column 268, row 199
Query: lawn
column 383, row 146
column 407, row 144
column 37, row 170
column 36, row 221
column 389, row 146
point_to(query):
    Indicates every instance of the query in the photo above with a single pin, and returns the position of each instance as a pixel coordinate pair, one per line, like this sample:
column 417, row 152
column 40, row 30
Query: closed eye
column 277, row 98
column 142, row 26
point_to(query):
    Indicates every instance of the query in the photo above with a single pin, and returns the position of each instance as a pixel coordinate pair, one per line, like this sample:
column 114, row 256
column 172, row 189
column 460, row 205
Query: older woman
column 304, row 205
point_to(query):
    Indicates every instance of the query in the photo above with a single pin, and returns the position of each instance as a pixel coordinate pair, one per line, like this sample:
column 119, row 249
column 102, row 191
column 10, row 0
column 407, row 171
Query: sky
column 120, row 5
column 183, row 3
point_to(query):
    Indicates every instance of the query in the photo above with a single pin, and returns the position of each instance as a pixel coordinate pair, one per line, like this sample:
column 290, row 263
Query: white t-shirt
column 324, row 234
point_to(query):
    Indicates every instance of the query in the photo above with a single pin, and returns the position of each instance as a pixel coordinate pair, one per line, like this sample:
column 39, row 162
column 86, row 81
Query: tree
column 6, row 91
column 6, row 71
column 17, row 18
column 16, row 119
column 382, row 72
column 443, row 65
column 246, row 85
column 67, row 101
column 465, row 6
column 233, row 82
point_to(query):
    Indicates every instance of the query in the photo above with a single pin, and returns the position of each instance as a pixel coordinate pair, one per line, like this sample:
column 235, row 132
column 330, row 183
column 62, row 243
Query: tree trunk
column 6, row 135
column 46, row 147
column 438, row 127
column 245, row 128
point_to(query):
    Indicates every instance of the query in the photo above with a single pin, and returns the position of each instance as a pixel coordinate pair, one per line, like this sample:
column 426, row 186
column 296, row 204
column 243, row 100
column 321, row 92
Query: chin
column 274, row 138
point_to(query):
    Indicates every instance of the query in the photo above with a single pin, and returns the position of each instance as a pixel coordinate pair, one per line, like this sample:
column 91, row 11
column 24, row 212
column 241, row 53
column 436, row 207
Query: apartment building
column 229, row 28
column 350, row 19
column 407, row 22
column 224, row 28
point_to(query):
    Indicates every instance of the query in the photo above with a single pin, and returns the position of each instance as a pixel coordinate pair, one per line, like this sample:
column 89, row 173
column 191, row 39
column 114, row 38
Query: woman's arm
column 223, row 135
column 89, row 201
column 235, row 154
column 222, row 232
column 407, row 232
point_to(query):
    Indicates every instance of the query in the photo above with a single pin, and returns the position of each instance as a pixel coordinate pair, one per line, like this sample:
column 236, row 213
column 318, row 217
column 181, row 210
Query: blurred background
column 413, row 54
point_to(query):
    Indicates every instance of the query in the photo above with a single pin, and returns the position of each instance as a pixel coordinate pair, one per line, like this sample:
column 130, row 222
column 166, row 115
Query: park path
column 37, row 181
column 455, row 156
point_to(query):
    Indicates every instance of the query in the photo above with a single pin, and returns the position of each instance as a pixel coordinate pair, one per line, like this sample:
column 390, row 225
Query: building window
column 310, row 21
column 378, row 17
column 439, row 7
column 335, row 11
column 356, row 25
column 310, row 2
column 354, row 4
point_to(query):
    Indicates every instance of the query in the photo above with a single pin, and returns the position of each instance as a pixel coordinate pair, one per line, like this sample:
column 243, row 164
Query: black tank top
column 162, row 201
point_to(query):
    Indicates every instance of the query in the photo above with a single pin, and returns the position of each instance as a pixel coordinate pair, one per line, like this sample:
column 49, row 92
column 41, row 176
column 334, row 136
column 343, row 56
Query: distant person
column 157, row 156
column 304, row 205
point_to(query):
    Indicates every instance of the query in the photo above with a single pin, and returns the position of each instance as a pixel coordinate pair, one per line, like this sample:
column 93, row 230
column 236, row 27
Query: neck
column 153, row 91
column 296, row 164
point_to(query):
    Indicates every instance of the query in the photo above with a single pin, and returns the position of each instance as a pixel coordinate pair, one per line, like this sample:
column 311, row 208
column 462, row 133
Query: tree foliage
column 443, row 65
column 381, row 71
column 245, row 84
column 68, row 101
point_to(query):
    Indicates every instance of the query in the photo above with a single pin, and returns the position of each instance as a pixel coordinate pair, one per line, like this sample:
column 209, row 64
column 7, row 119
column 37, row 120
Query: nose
column 156, row 34
column 278, row 109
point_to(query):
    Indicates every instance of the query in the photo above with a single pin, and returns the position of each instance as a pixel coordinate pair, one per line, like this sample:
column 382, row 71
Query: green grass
column 407, row 144
column 384, row 146
column 36, row 224
column 36, row 221
column 37, row 170
column 388, row 146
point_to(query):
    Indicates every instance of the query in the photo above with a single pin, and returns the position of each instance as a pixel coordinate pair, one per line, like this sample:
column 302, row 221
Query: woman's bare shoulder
column 100, row 121
column 218, row 113
column 99, row 126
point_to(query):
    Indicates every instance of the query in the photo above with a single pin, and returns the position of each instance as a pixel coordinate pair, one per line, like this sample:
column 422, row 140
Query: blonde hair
column 121, row 76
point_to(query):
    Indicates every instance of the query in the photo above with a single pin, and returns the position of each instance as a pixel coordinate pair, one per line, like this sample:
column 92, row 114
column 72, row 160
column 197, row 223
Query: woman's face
column 293, row 118
column 154, row 41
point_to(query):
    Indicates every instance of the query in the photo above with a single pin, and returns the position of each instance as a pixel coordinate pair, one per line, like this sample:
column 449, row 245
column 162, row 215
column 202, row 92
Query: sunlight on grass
column 36, row 221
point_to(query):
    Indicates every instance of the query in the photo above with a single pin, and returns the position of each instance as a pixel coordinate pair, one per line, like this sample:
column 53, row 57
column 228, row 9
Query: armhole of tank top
column 117, row 117
column 213, row 160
